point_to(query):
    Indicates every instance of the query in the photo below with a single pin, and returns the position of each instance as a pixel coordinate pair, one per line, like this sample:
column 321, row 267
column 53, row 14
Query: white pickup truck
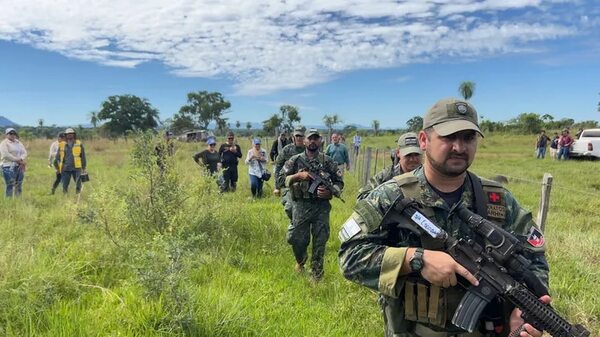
column 588, row 145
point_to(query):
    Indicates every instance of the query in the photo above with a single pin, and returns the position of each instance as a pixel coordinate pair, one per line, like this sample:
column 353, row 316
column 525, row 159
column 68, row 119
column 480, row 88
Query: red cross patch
column 494, row 197
column 535, row 238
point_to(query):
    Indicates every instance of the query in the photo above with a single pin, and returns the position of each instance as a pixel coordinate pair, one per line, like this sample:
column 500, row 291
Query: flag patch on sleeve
column 350, row 229
column 535, row 238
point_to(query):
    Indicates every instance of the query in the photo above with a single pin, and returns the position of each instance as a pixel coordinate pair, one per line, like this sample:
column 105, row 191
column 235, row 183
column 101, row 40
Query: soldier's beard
column 312, row 147
column 447, row 169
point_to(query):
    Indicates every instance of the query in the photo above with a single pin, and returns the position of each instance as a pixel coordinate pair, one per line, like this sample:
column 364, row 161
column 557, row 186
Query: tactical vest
column 76, row 150
column 424, row 303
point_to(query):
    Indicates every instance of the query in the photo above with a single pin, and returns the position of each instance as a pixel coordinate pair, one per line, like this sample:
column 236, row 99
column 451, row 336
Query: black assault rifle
column 497, row 261
column 319, row 177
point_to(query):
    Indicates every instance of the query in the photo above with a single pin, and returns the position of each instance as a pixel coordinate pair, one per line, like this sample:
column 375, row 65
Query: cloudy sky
column 362, row 59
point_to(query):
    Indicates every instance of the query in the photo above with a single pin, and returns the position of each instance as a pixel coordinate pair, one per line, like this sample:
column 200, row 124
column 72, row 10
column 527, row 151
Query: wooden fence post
column 376, row 159
column 544, row 201
column 366, row 167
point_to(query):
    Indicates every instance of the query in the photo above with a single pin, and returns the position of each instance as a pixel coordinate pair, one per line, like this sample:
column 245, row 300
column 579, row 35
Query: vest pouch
column 425, row 303
column 299, row 190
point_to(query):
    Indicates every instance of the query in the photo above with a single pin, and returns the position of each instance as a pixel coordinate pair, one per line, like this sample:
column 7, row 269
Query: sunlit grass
column 62, row 277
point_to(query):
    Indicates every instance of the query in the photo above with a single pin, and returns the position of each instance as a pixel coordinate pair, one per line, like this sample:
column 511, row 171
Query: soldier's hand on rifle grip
column 324, row 193
column 301, row 176
column 440, row 269
column 516, row 321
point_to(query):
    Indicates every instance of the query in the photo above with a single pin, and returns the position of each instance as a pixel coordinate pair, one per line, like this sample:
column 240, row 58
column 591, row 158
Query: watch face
column 416, row 264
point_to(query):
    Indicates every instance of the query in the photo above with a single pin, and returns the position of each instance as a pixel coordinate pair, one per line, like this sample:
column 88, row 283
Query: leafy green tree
column 415, row 124
column 289, row 116
column 375, row 125
column 466, row 89
column 181, row 123
column 270, row 125
column 125, row 113
column 528, row 123
column 205, row 107
column 248, row 126
column 237, row 124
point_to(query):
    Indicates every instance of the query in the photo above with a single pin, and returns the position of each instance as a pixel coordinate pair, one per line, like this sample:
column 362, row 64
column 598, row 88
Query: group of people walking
column 224, row 163
column 66, row 157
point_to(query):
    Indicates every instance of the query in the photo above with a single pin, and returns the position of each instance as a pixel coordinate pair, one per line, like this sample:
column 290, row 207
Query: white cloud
column 266, row 46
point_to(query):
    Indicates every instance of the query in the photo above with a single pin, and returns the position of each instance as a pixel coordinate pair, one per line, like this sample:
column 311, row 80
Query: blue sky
column 362, row 60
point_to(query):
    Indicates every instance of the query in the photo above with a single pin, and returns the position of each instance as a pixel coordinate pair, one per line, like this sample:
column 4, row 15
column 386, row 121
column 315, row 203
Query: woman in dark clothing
column 209, row 158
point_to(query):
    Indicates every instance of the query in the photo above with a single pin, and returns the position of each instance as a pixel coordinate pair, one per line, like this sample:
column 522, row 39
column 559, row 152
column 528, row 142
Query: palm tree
column 94, row 118
column 466, row 89
column 330, row 122
column 375, row 125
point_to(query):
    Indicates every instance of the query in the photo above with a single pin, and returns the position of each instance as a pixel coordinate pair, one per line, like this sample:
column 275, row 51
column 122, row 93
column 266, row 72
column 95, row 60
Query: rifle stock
column 501, row 269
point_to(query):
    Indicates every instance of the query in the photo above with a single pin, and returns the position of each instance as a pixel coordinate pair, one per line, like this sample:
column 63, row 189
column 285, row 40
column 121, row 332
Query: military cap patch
column 535, row 238
column 461, row 108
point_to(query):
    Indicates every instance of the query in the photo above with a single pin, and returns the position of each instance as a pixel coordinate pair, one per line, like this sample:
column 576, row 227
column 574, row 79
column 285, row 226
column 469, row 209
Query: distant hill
column 5, row 122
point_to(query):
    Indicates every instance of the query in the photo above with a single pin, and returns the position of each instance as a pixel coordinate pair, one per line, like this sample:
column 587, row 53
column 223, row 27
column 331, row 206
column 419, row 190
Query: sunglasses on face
column 12, row 133
column 211, row 144
column 229, row 137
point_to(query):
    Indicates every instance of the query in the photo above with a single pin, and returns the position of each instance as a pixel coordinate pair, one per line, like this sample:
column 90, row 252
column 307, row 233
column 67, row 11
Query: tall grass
column 62, row 274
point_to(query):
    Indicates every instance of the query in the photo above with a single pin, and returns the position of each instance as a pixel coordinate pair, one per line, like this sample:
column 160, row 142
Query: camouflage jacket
column 287, row 152
column 378, row 179
column 373, row 256
column 301, row 162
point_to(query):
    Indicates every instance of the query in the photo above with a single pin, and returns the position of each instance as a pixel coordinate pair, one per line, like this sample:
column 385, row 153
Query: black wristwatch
column 416, row 261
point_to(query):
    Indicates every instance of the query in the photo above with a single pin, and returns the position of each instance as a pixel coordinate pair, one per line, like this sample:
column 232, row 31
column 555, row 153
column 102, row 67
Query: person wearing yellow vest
column 70, row 160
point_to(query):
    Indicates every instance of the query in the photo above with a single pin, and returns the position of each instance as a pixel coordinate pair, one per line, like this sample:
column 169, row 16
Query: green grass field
column 218, row 265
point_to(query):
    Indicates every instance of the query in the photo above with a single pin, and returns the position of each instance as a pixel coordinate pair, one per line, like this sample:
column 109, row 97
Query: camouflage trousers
column 310, row 219
column 286, row 201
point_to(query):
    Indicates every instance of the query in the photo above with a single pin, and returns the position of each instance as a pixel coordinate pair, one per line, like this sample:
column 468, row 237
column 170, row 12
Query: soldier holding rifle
column 310, row 209
column 418, row 282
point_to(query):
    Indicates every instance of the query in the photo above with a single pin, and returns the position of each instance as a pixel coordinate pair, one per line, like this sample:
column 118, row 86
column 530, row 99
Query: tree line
column 120, row 115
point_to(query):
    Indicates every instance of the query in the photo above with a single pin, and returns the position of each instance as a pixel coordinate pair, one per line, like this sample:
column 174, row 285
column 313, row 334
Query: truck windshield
column 591, row 133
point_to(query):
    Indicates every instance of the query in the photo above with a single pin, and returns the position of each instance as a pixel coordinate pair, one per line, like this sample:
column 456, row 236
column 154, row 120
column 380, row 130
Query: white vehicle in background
column 587, row 146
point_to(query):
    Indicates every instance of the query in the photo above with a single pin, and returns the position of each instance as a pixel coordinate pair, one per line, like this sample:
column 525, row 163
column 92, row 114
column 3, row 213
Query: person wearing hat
column 209, row 158
column 256, row 159
column 13, row 156
column 278, row 145
column 290, row 150
column 408, row 156
column 310, row 209
column 52, row 156
column 230, row 154
column 564, row 145
column 70, row 160
column 339, row 153
column 396, row 262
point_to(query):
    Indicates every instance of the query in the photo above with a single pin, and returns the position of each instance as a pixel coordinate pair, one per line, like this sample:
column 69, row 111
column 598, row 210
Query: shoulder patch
column 369, row 214
column 490, row 183
column 405, row 179
column 535, row 237
column 349, row 230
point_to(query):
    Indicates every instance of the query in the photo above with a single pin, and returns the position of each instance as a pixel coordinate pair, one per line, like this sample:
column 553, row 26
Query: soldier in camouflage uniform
column 310, row 211
column 409, row 158
column 417, row 281
column 288, row 151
